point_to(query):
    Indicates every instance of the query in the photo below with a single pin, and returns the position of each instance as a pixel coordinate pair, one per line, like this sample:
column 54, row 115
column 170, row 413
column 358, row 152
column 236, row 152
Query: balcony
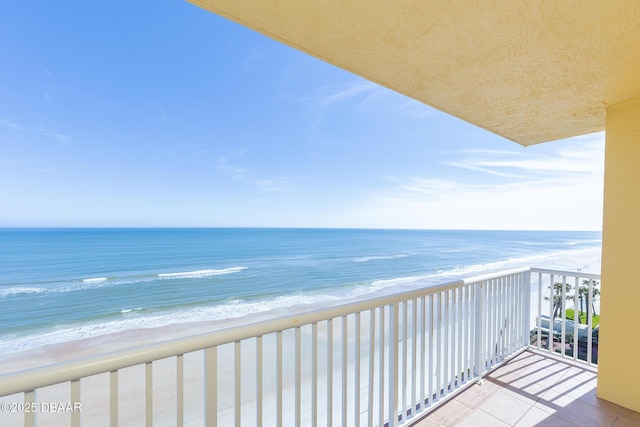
column 385, row 361
column 533, row 389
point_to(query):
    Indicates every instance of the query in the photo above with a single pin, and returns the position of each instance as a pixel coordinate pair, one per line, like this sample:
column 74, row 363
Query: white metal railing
column 554, row 329
column 381, row 361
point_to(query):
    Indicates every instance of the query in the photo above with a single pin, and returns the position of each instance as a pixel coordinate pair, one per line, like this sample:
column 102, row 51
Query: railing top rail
column 566, row 273
column 35, row 378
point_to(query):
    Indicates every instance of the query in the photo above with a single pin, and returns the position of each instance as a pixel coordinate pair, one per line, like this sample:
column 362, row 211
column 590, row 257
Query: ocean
column 61, row 285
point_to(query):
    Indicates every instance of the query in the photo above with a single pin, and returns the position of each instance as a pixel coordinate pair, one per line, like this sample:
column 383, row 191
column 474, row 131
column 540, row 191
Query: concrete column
column 619, row 340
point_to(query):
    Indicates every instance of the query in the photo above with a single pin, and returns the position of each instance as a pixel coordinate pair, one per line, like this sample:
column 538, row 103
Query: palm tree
column 583, row 292
column 557, row 297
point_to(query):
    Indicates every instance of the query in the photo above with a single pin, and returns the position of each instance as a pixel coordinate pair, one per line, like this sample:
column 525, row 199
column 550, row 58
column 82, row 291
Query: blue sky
column 172, row 116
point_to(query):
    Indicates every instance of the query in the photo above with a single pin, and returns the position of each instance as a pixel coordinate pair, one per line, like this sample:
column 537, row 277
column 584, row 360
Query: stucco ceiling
column 531, row 71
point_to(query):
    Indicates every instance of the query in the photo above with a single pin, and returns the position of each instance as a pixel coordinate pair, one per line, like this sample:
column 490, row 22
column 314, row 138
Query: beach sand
column 95, row 390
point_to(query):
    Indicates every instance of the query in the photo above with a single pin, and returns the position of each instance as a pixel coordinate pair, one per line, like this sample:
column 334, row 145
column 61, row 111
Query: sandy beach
column 95, row 390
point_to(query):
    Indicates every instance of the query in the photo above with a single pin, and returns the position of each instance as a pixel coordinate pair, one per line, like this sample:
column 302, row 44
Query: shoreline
column 103, row 343
column 100, row 344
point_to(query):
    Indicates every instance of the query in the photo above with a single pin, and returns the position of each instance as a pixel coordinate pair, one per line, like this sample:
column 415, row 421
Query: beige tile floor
column 533, row 389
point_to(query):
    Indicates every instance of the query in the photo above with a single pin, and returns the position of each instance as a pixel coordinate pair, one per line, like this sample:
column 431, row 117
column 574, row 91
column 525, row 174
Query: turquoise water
column 59, row 285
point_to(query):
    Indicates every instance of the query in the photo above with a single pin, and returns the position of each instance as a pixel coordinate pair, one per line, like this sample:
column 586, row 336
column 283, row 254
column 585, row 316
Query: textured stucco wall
column 619, row 350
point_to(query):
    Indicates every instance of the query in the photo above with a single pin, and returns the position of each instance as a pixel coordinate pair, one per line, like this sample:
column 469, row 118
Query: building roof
column 528, row 71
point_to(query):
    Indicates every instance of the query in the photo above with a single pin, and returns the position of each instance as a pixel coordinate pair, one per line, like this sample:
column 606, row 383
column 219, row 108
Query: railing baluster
column 259, row 386
column 279, row 378
column 237, row 368
column 563, row 315
column 517, row 320
column 113, row 398
column 211, row 386
column 491, row 321
column 414, row 355
column 423, row 352
column 576, row 318
column 381, row 373
column 314, row 374
column 372, row 336
column 470, row 330
column 453, row 337
column 589, row 323
column 459, row 332
column 479, row 332
column 344, row 370
column 446, row 349
column 430, row 374
column 517, row 301
column 439, row 346
column 30, row 401
column 539, row 316
column 75, row 398
column 149, row 394
column 329, row 372
column 526, row 315
column 502, row 308
column 513, row 321
column 507, row 319
column 448, row 369
column 356, row 380
column 180, row 390
column 298, row 391
column 495, row 321
column 405, row 336
column 465, row 334
column 393, row 364
column 551, row 316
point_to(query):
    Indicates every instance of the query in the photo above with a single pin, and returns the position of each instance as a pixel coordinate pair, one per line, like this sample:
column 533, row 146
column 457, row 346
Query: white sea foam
column 100, row 282
column 95, row 280
column 564, row 260
column 8, row 292
column 200, row 273
column 378, row 257
column 139, row 318
column 131, row 311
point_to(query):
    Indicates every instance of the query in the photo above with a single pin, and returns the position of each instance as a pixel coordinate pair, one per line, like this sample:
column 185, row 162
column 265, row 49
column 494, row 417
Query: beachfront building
column 531, row 72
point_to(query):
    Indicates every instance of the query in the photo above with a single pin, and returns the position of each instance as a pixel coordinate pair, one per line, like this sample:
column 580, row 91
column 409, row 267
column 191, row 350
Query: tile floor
column 533, row 389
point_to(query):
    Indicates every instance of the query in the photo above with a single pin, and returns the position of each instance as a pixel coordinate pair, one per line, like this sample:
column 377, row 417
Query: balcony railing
column 569, row 332
column 379, row 362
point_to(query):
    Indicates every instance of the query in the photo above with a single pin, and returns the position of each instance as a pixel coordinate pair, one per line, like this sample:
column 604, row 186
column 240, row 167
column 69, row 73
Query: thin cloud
column 236, row 171
column 587, row 159
column 9, row 124
column 63, row 139
column 541, row 205
column 248, row 176
column 272, row 185
column 479, row 168
column 436, row 188
column 555, row 190
column 342, row 94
